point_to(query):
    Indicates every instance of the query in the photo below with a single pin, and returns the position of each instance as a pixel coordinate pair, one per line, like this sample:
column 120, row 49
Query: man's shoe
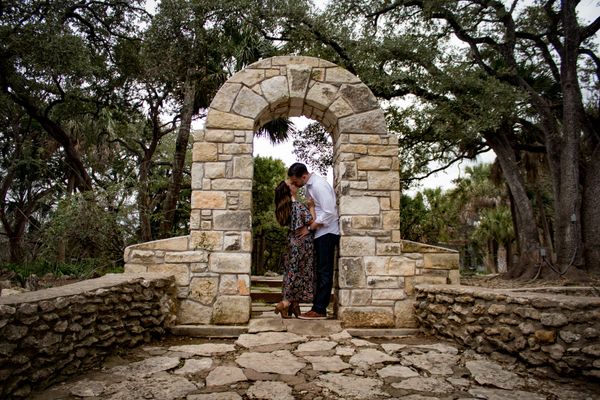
column 312, row 315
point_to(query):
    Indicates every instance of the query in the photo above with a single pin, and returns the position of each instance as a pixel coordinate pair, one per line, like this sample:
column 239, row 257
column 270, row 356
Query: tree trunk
column 527, row 234
column 591, row 213
column 183, row 135
column 502, row 259
column 144, row 207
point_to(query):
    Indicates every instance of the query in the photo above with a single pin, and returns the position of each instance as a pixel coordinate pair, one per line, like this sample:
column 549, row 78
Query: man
column 327, row 234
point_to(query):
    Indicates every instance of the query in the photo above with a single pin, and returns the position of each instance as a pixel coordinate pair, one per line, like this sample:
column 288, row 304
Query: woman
column 298, row 265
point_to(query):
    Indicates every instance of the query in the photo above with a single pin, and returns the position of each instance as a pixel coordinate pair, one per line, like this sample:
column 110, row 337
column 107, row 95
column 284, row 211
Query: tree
column 514, row 86
column 269, row 239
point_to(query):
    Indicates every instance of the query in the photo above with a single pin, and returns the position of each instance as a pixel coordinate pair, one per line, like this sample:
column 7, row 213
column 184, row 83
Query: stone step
column 210, row 331
column 269, row 281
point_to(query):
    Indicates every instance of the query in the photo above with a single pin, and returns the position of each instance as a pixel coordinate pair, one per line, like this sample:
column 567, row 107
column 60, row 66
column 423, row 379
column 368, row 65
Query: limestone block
column 195, row 218
column 367, row 317
column 213, row 170
column 219, row 135
column 357, row 246
column 376, row 265
column 210, row 200
column 245, row 200
column 229, row 310
column 248, row 77
column 186, row 256
column 371, row 163
column 232, row 220
column 199, row 267
column 145, row 256
column 441, row 260
column 341, row 75
column 135, row 268
column 232, row 263
column 179, row 271
column 360, row 297
column 344, row 297
column 391, row 220
column 365, row 222
column 353, row 148
column 321, row 95
column 223, row 120
column 367, row 139
column 275, row 90
column 389, row 249
column 232, row 242
column 204, row 151
column 244, row 284
column 243, row 167
column 197, row 135
column 388, row 294
column 261, row 64
column 197, row 175
column 206, row 240
column 286, row 60
column 191, row 312
column 404, row 312
column 454, row 277
column 346, row 170
column 354, row 205
column 409, row 285
column 246, row 241
column 204, row 289
column 223, row 100
column 232, row 184
column 402, row 266
column 383, row 281
column 383, row 180
column 179, row 243
column 249, row 104
column 395, row 199
column 339, row 108
column 228, row 284
column 366, row 122
column 383, row 150
column 430, row 280
column 237, row 148
column 359, row 97
column 351, row 272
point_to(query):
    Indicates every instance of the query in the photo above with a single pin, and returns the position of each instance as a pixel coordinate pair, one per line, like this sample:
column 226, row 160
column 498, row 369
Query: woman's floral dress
column 299, row 277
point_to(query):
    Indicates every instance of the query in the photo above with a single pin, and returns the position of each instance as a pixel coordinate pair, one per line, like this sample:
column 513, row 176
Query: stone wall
column 212, row 287
column 52, row 333
column 549, row 328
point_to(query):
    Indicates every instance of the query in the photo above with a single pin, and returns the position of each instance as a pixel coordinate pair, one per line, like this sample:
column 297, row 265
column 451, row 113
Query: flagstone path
column 285, row 365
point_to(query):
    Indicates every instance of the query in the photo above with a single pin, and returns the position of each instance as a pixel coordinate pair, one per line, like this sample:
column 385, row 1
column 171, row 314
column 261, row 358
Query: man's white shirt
column 326, row 212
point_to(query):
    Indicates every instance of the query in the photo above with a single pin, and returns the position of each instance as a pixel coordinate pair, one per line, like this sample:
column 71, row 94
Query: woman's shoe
column 282, row 309
column 295, row 309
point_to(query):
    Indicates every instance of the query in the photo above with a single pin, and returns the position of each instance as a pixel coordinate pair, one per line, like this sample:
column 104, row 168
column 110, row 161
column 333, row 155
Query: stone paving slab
column 408, row 368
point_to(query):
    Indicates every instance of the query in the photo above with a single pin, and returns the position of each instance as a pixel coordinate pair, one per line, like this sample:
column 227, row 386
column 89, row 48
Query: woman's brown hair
column 283, row 203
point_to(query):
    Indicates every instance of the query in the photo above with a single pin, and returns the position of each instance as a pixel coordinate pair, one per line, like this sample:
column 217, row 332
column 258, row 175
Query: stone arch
column 212, row 265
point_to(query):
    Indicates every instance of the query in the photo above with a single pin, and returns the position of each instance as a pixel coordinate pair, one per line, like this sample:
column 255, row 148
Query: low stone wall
column 212, row 287
column 52, row 333
column 544, row 329
column 378, row 291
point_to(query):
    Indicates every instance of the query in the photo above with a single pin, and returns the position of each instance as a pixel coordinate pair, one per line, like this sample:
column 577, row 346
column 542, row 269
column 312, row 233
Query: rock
column 362, row 343
column 499, row 394
column 434, row 363
column 277, row 362
column 343, row 335
column 490, row 373
column 366, row 357
column 392, row 348
column 215, row 396
column 162, row 386
column 193, row 366
column 315, row 346
column 224, row 376
column 205, row 349
column 86, row 388
column 351, row 387
column 266, row 325
column 397, row 371
column 146, row 367
column 330, row 364
column 270, row 390
column 429, row 385
column 268, row 338
column 439, row 347
column 344, row 351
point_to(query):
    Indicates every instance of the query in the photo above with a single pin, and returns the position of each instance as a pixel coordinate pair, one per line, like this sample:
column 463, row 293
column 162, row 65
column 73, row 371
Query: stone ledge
column 88, row 285
column 216, row 331
column 390, row 332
